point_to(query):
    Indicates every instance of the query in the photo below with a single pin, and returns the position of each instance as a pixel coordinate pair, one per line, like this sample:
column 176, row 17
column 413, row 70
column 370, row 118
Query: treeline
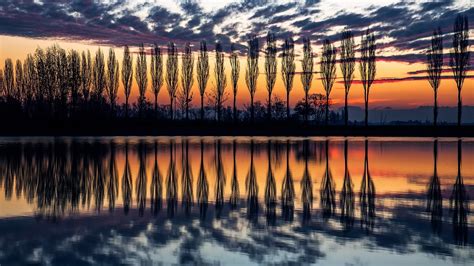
column 56, row 84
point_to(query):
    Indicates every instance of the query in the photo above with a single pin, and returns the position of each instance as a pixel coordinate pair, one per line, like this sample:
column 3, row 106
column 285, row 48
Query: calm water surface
column 355, row 201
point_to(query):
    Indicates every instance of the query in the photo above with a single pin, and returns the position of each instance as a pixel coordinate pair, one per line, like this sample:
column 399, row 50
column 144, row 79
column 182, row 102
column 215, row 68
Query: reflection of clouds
column 403, row 26
column 58, row 187
column 110, row 238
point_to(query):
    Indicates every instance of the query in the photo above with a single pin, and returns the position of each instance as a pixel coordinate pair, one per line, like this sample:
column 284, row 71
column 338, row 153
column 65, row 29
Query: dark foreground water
column 335, row 201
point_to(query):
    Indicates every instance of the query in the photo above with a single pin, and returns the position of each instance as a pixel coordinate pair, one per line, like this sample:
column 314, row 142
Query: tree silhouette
column 2, row 80
column 460, row 56
column 234, row 76
column 127, row 73
column 221, row 79
column 367, row 67
column 62, row 81
column 112, row 79
column 18, row 80
column 86, row 75
column 74, row 74
column 347, row 66
column 307, row 75
column 202, row 73
column 30, row 83
column 435, row 67
column 187, row 70
column 270, row 69
column 8, row 78
column 328, row 71
column 156, row 69
column 142, row 78
column 288, row 70
column 251, row 74
column 98, row 77
column 172, row 74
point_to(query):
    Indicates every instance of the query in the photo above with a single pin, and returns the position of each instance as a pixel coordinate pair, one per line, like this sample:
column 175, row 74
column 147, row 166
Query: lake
column 236, row 200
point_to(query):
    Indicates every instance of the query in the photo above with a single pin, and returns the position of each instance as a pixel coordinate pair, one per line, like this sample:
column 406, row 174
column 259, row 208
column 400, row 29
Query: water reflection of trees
column 141, row 178
column 220, row 179
column 306, row 187
column 327, row 190
column 270, row 189
column 252, row 188
column 186, row 179
column 287, row 189
column 346, row 199
column 156, row 187
column 202, row 186
column 367, row 195
column 459, row 204
column 234, row 186
column 434, row 204
column 172, row 183
column 61, row 177
column 127, row 183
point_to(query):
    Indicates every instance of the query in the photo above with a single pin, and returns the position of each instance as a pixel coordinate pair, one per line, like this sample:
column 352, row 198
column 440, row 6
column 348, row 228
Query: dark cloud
column 112, row 24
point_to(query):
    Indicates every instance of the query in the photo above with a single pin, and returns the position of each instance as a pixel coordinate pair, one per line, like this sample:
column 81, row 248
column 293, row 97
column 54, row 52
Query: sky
column 402, row 29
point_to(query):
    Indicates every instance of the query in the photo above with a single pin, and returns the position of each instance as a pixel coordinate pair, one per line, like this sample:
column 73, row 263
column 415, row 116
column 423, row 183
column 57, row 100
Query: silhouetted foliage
column 251, row 73
column 172, row 74
column 127, row 73
column 221, row 79
column 156, row 69
column 270, row 69
column 202, row 73
column 367, row 67
column 347, row 66
column 307, row 72
column 187, row 79
column 288, row 70
column 234, row 76
column 435, row 67
column 112, row 79
column 460, row 56
column 141, row 76
column 328, row 71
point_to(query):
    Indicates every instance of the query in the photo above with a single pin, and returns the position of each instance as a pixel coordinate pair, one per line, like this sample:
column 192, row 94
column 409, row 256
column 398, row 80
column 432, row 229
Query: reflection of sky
column 111, row 238
column 402, row 228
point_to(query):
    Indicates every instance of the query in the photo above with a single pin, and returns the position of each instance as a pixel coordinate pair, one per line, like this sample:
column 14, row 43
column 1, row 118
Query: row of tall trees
column 54, row 82
column 459, row 61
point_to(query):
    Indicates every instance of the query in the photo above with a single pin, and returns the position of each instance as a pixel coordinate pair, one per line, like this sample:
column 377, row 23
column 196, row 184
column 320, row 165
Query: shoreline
column 208, row 128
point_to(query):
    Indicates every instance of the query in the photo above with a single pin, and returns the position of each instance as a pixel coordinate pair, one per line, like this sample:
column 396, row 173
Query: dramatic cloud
column 403, row 27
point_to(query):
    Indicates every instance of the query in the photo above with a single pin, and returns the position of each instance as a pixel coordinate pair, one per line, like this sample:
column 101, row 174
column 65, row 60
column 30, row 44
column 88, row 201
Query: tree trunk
column 187, row 109
column 287, row 105
column 156, row 106
column 366, row 111
column 327, row 109
column 435, row 108
column 346, row 112
column 126, row 107
column 269, row 107
column 171, row 108
column 306, row 112
column 459, row 107
column 202, row 107
column 252, row 115
column 235, row 108
column 218, row 109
